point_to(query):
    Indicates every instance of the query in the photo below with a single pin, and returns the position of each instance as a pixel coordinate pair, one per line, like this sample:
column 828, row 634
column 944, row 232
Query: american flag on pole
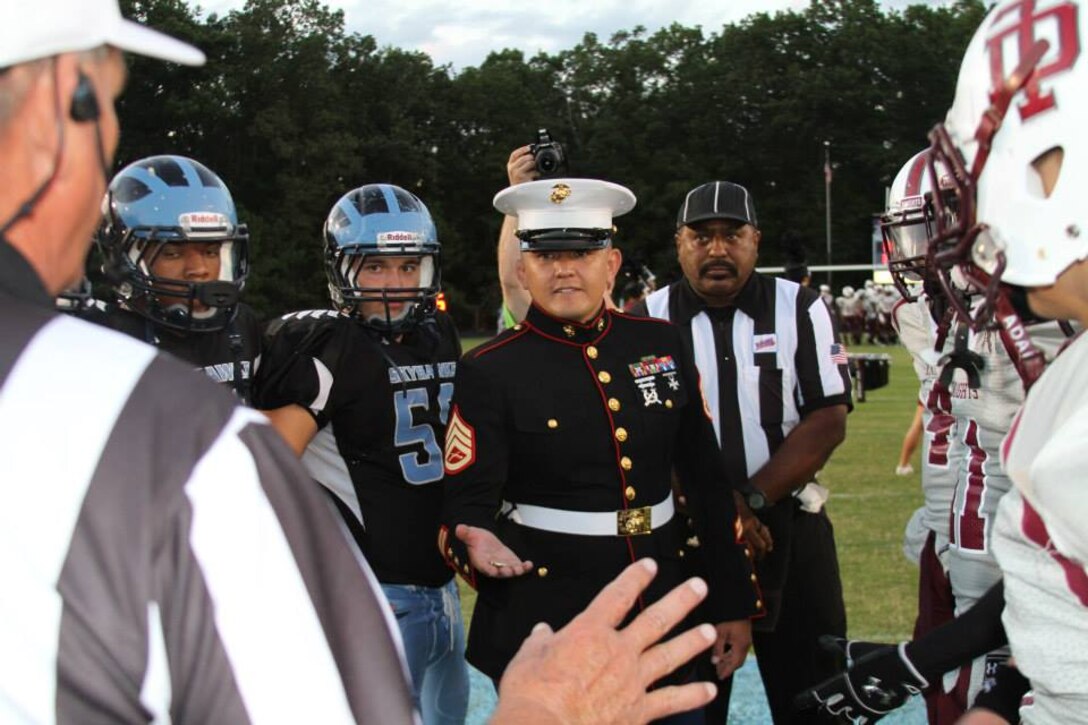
column 838, row 353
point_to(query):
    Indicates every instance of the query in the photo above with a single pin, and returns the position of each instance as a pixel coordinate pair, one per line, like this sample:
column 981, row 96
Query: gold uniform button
column 604, row 377
column 680, row 553
column 752, row 577
column 630, row 493
column 625, row 463
column 668, row 403
column 517, row 327
column 613, row 405
column 747, row 552
column 568, row 330
column 553, row 423
column 621, row 434
column 542, row 571
column 759, row 604
column 591, row 352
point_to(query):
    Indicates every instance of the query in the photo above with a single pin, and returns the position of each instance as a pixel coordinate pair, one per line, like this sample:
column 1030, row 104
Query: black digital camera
column 550, row 159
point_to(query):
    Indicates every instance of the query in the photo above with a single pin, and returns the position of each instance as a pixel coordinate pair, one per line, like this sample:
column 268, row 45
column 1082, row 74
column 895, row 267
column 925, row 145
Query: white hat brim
column 592, row 204
column 135, row 38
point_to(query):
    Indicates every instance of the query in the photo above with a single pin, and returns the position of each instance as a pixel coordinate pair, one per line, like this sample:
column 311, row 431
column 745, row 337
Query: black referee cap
column 717, row 200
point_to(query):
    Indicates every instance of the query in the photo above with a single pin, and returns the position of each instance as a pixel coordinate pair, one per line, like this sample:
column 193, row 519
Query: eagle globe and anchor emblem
column 560, row 193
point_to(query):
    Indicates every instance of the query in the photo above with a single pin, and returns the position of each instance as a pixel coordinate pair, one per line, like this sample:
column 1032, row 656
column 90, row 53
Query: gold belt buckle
column 633, row 522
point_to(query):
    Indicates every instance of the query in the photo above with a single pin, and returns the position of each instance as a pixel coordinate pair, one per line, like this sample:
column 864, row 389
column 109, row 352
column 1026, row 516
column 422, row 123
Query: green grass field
column 869, row 507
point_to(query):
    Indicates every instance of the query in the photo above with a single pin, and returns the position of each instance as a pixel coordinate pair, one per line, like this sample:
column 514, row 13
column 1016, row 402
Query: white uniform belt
column 628, row 522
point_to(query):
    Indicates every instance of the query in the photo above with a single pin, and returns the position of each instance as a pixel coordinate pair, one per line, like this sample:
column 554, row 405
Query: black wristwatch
column 755, row 499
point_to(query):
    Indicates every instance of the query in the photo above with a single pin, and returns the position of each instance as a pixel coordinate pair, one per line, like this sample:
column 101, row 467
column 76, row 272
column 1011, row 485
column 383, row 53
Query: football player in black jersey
column 362, row 393
column 177, row 260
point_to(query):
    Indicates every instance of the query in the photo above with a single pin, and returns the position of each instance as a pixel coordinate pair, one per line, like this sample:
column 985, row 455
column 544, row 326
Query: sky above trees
column 294, row 109
column 463, row 32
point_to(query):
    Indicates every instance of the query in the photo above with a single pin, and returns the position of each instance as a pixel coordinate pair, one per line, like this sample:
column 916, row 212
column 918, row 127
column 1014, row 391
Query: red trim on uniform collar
column 507, row 336
column 553, row 328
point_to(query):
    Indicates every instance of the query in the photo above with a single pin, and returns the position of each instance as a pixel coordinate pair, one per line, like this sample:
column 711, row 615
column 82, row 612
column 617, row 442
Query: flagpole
column 827, row 205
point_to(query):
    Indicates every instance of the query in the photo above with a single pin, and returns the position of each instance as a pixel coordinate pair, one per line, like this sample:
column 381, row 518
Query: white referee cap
column 33, row 29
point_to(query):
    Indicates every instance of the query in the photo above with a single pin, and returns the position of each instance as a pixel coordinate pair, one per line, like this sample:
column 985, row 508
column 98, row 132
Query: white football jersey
column 845, row 306
column 1041, row 540
column 983, row 416
column 918, row 333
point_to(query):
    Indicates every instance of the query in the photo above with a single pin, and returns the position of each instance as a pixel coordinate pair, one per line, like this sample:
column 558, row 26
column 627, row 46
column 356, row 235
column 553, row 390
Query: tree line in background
column 292, row 111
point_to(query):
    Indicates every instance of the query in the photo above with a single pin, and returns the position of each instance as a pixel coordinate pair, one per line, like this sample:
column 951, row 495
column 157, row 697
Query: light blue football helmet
column 169, row 200
column 382, row 220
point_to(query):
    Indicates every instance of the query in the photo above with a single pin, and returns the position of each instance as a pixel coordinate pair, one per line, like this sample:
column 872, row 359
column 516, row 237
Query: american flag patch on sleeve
column 838, row 353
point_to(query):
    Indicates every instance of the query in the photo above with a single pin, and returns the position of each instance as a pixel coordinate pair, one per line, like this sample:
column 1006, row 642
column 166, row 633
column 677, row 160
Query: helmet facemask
column 171, row 202
column 959, row 240
column 374, row 304
column 176, row 303
column 908, row 222
column 387, row 225
column 905, row 233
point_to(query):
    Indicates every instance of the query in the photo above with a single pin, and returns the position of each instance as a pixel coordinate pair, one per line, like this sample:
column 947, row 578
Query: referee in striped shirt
column 162, row 554
column 774, row 375
column 164, row 557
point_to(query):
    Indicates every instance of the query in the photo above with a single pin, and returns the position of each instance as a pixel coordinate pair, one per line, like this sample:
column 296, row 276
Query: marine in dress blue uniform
column 562, row 440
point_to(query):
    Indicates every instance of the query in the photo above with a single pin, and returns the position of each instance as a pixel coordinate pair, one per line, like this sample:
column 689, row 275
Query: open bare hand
column 489, row 555
column 592, row 672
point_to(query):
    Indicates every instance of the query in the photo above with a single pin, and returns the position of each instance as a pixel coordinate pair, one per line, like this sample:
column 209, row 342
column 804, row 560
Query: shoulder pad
column 301, row 320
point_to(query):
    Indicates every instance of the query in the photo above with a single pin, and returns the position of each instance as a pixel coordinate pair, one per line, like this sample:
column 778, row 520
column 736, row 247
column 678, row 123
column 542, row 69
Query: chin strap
column 943, row 316
column 1026, row 357
column 962, row 358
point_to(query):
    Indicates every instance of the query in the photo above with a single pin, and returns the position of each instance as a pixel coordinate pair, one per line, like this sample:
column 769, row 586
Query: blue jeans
column 434, row 643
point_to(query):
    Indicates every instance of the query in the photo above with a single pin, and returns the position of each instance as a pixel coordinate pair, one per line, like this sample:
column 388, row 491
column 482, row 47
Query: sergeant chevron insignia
column 460, row 450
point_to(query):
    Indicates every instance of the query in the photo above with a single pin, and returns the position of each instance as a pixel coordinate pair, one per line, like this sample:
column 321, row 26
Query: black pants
column 789, row 658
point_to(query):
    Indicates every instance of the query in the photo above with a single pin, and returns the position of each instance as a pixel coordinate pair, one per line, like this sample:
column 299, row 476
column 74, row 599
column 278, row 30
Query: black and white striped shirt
column 163, row 555
column 764, row 363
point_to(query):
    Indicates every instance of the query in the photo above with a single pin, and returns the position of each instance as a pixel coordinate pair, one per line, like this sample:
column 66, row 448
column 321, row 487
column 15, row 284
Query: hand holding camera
column 544, row 159
column 551, row 162
column 521, row 166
